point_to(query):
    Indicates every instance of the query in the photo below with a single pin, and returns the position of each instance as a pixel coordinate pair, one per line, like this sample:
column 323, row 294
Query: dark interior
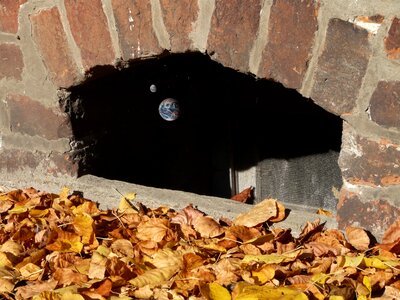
column 228, row 120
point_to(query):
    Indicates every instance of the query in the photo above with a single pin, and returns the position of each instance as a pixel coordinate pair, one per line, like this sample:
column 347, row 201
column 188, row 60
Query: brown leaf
column 392, row 234
column 358, row 238
column 28, row 291
column 310, row 229
column 207, row 227
column 259, row 214
column 324, row 212
column 66, row 276
column 244, row 195
column 281, row 213
column 153, row 230
column 187, row 216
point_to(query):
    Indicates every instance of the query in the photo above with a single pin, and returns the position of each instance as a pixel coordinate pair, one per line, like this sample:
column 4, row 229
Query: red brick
column 392, row 41
column 341, row 67
column 291, row 32
column 234, row 26
column 385, row 104
column 135, row 29
column 32, row 118
column 179, row 17
column 89, row 28
column 53, row 45
column 54, row 163
column 368, row 162
column 367, row 211
column 9, row 10
column 11, row 62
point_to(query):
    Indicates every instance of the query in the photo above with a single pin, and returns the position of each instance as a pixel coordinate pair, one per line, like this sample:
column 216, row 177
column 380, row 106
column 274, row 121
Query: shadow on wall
column 228, row 121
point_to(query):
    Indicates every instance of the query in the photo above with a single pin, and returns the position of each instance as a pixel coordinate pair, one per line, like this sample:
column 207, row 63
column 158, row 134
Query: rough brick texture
column 291, row 32
column 385, row 104
column 9, row 10
column 234, row 27
column 341, row 67
column 89, row 28
column 179, row 17
column 392, row 41
column 135, row 29
column 370, row 212
column 52, row 42
column 32, row 118
column 11, row 63
column 368, row 162
column 55, row 164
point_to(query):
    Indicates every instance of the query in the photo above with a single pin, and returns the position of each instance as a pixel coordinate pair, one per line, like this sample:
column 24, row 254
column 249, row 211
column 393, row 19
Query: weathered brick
column 179, row 17
column 367, row 162
column 373, row 213
column 135, row 28
column 234, row 26
column 341, row 67
column 392, row 41
column 32, row 118
column 53, row 45
column 9, row 10
column 11, row 61
column 89, row 28
column 385, row 104
column 291, row 32
column 55, row 164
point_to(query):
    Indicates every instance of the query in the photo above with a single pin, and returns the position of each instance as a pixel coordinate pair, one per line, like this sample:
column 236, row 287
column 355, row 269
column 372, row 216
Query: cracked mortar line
column 261, row 38
column 159, row 26
column 319, row 40
column 75, row 51
column 201, row 27
column 35, row 80
column 108, row 11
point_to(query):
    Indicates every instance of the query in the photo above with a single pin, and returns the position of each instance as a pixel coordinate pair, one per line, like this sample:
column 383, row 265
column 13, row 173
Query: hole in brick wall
column 233, row 131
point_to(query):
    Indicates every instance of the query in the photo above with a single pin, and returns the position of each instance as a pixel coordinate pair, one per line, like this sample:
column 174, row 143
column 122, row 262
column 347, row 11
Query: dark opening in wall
column 229, row 122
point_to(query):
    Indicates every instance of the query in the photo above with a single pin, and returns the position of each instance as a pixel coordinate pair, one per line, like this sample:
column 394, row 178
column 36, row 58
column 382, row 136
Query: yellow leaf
column 38, row 213
column 255, row 292
column 353, row 261
column 64, row 193
column 125, row 205
column 83, row 225
column 367, row 283
column 4, row 260
column 336, row 298
column 259, row 214
column 324, row 212
column 380, row 263
column 18, row 209
column 71, row 297
column 263, row 275
column 214, row 291
column 64, row 245
column 320, row 278
column 271, row 258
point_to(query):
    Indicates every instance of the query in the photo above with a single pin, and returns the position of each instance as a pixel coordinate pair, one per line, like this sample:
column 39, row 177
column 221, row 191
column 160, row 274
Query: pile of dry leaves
column 64, row 247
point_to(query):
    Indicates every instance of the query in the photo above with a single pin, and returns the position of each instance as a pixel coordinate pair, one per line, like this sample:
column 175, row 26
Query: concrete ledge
column 106, row 193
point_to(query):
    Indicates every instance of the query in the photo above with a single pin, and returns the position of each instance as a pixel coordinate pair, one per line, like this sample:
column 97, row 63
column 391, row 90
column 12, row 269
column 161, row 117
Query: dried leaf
column 324, row 212
column 246, row 292
column 259, row 214
column 153, row 230
column 154, row 277
column 358, row 238
column 244, row 195
column 214, row 291
column 392, row 234
column 207, row 227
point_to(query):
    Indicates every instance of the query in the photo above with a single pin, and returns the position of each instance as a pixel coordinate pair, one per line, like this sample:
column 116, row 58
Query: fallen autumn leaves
column 63, row 247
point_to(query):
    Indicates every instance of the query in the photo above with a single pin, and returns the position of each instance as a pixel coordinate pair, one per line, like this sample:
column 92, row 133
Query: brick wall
column 345, row 55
